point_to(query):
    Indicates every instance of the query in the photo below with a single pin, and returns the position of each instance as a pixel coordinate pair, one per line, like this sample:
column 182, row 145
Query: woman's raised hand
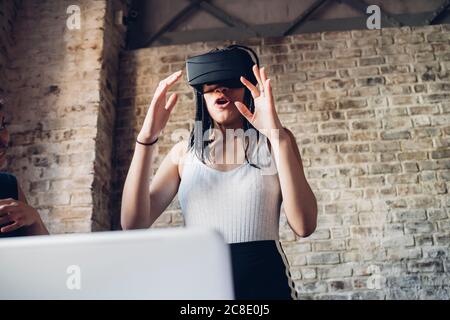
column 159, row 110
column 264, row 118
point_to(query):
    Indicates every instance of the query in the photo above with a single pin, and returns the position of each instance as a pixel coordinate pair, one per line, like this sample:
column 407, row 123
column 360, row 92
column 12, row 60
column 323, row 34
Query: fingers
column 9, row 208
column 9, row 220
column 165, row 85
column 7, row 201
column 171, row 102
column 262, row 72
column 257, row 74
column 170, row 80
column 253, row 90
column 244, row 111
column 268, row 88
column 16, row 225
column 5, row 220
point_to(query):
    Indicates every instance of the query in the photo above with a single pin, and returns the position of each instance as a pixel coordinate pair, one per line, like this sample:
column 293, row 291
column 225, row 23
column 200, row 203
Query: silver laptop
column 172, row 263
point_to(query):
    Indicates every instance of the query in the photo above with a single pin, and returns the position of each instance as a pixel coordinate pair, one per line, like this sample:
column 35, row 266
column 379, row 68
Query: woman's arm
column 144, row 199
column 141, row 203
column 299, row 202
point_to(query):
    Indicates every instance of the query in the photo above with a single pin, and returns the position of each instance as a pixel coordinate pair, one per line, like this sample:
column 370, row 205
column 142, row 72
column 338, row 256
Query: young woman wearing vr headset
column 238, row 198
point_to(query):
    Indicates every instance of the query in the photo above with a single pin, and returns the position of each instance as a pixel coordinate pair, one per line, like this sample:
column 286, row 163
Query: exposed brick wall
column 8, row 12
column 370, row 111
column 113, row 43
column 62, row 109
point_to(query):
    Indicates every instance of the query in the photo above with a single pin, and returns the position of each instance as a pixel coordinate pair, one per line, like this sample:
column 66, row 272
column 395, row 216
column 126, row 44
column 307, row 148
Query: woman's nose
column 221, row 89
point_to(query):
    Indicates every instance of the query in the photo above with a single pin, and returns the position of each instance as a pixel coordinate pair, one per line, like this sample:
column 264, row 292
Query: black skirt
column 261, row 271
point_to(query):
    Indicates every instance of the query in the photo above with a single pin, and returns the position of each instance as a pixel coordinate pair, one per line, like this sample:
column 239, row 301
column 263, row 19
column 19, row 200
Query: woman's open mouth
column 222, row 103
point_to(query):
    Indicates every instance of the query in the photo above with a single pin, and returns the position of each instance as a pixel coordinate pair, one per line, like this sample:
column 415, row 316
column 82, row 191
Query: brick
column 363, row 136
column 340, row 207
column 417, row 155
column 440, row 154
column 362, row 254
column 332, row 138
column 317, row 55
column 339, row 285
column 371, row 61
column 424, row 201
column 366, row 125
column 442, row 238
column 385, row 146
column 371, row 81
column 329, row 245
column 322, row 106
column 338, row 233
column 341, row 63
column 335, row 183
column 403, row 253
column 395, row 135
column 334, row 126
column 419, row 227
column 347, row 53
column 395, row 241
column 436, row 214
column 378, row 168
column 436, row 252
column 313, row 287
column 296, row 248
column 322, row 258
column 308, row 273
column 365, row 232
column 351, row 104
column 364, row 72
column 321, row 75
column 320, row 234
column 402, row 215
column 349, row 148
column 427, row 265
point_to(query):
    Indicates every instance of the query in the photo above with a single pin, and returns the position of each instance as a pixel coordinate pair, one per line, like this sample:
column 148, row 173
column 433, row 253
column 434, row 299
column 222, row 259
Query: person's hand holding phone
column 16, row 214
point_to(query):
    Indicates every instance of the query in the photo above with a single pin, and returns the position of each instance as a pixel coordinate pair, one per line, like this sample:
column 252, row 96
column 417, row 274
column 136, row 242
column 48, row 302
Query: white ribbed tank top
column 243, row 204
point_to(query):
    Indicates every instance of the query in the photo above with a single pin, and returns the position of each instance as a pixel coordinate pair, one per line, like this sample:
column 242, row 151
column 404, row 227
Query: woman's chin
column 228, row 117
column 226, row 120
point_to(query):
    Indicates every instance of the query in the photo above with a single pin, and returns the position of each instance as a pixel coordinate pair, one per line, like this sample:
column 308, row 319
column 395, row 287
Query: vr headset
column 224, row 66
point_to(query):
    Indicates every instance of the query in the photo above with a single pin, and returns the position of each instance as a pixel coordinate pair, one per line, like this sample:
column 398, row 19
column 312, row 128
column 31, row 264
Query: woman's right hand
column 159, row 110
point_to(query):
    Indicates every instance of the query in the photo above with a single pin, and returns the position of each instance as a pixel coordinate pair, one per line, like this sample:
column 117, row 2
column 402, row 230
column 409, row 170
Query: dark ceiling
column 163, row 22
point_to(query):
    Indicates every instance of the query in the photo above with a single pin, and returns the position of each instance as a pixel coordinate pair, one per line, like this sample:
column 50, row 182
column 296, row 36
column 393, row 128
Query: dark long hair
column 196, row 142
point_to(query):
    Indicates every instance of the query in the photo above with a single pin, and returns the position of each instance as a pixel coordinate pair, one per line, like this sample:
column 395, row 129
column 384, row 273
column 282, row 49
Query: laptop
column 158, row 264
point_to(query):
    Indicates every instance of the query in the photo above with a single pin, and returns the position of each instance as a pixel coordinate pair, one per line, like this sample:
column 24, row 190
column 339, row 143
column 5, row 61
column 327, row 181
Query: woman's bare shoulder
column 180, row 151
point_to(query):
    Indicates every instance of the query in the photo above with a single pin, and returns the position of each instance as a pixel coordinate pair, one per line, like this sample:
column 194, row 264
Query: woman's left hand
column 264, row 118
column 16, row 214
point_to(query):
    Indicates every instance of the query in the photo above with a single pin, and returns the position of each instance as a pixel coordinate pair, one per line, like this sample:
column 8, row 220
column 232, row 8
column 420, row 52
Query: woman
column 234, row 197
column 17, row 218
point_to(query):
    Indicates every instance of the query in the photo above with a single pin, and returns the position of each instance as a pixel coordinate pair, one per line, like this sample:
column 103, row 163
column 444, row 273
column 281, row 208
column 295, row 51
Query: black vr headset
column 224, row 66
